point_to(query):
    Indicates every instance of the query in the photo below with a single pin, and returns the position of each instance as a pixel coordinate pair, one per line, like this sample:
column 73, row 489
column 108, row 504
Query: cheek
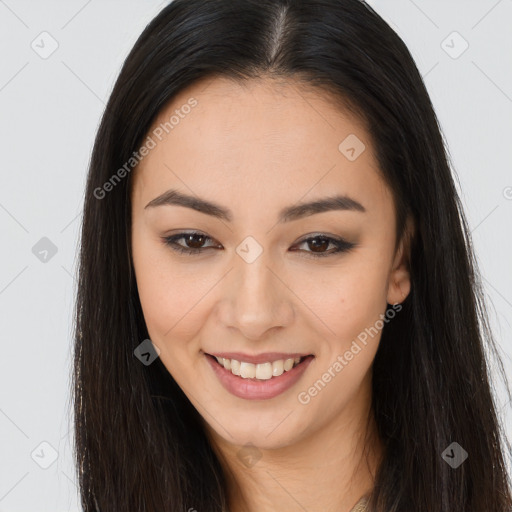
column 348, row 304
column 346, row 299
column 170, row 300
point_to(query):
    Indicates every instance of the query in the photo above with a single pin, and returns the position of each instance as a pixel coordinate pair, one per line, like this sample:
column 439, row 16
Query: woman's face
column 273, row 179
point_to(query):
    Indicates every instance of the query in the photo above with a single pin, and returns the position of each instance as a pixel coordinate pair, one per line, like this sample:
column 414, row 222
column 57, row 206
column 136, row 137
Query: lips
column 253, row 388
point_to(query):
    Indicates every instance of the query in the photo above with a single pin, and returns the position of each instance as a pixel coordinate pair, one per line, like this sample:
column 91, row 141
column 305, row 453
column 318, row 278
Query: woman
column 278, row 304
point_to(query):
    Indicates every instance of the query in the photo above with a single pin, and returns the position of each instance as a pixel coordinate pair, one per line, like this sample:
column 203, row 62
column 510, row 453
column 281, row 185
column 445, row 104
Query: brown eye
column 319, row 244
column 194, row 242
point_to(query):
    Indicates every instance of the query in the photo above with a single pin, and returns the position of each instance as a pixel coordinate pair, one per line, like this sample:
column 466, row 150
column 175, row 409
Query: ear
column 400, row 279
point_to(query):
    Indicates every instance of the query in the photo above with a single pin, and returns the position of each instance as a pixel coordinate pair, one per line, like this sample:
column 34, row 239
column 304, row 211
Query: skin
column 254, row 149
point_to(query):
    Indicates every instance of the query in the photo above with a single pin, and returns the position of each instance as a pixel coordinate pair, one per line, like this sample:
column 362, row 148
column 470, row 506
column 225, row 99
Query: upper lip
column 259, row 358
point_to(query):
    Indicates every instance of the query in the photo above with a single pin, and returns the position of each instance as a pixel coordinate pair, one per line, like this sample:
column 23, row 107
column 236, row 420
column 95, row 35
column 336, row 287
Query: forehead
column 263, row 138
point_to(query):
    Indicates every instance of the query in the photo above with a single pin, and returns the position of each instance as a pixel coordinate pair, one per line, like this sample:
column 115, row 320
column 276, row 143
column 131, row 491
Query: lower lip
column 254, row 389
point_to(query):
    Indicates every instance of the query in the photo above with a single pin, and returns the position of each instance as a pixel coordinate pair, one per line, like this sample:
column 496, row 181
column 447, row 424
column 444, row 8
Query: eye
column 319, row 243
column 194, row 241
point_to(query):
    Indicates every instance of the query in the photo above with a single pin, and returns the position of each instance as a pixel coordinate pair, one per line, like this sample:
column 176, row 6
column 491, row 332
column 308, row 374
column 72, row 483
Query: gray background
column 50, row 109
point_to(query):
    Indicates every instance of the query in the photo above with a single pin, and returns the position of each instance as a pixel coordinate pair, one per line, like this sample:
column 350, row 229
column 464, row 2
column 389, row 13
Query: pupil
column 197, row 245
column 323, row 244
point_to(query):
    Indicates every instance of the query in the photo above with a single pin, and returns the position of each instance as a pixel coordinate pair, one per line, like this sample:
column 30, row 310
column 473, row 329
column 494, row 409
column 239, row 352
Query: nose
column 257, row 300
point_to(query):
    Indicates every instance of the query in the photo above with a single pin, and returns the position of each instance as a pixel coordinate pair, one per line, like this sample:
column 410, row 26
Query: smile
column 261, row 371
column 258, row 381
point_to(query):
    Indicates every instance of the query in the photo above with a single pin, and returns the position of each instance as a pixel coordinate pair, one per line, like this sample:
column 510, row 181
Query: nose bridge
column 258, row 301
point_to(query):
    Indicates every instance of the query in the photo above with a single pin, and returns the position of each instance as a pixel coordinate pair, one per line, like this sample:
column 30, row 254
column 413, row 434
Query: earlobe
column 399, row 286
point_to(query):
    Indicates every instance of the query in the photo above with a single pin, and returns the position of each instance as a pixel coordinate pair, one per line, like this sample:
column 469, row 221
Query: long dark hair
column 139, row 443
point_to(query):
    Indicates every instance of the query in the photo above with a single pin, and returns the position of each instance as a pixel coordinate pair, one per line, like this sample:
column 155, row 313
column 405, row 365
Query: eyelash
column 340, row 244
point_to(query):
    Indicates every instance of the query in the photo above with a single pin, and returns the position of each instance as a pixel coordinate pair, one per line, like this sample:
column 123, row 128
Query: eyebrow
column 288, row 214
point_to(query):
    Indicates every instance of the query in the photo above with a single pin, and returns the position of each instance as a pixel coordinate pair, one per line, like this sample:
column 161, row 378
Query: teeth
column 261, row 371
column 264, row 371
column 277, row 368
column 288, row 364
column 235, row 367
